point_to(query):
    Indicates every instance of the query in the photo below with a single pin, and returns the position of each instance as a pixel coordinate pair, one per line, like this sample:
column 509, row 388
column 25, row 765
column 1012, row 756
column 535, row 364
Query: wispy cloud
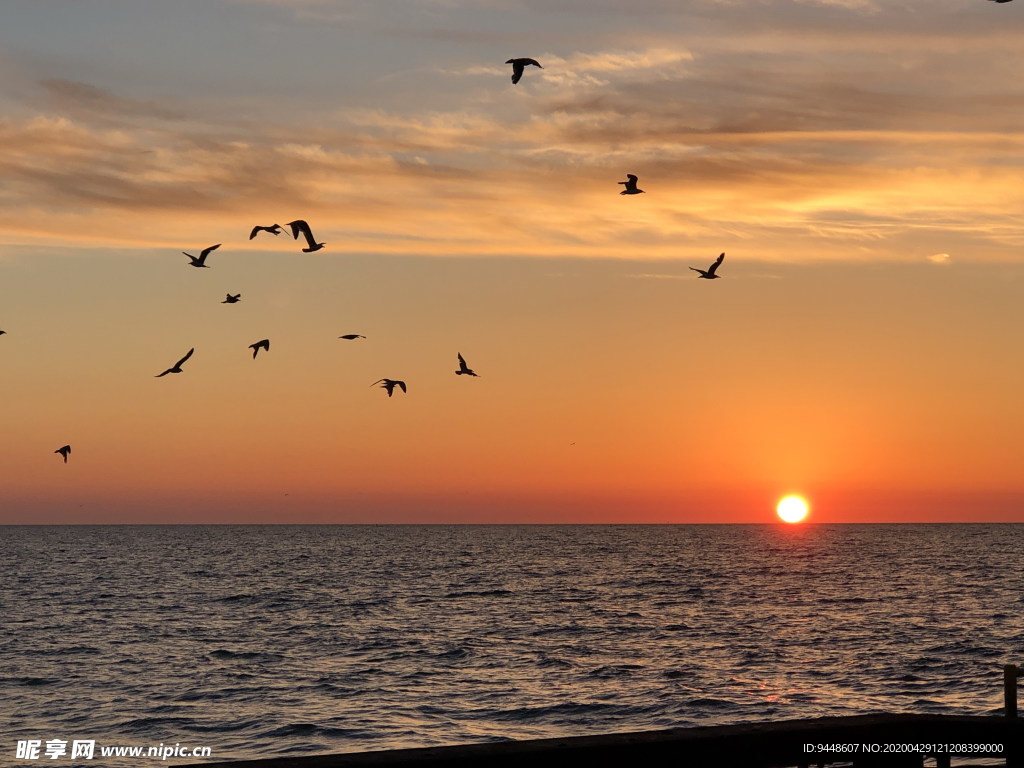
column 592, row 69
column 734, row 137
column 72, row 96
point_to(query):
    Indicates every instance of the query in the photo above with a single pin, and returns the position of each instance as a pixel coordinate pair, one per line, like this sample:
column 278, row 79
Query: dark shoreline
column 750, row 745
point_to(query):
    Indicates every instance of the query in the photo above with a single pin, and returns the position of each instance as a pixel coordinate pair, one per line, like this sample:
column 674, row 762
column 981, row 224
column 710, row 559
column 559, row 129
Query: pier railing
column 1011, row 673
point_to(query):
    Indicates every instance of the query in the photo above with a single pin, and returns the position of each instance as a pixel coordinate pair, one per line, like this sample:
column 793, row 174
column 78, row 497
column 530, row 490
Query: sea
column 282, row 640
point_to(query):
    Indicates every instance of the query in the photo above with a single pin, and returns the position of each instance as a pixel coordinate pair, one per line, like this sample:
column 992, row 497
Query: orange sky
column 859, row 166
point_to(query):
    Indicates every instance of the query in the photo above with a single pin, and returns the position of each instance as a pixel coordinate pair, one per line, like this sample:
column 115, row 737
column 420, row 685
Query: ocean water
column 259, row 641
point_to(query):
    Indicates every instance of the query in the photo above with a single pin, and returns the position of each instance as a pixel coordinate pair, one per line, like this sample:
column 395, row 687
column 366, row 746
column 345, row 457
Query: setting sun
column 792, row 509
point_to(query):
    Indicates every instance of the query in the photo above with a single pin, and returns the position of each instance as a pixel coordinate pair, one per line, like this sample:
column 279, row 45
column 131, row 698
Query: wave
column 29, row 681
column 223, row 653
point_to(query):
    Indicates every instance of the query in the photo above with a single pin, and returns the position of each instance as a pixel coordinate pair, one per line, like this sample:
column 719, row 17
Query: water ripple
column 278, row 640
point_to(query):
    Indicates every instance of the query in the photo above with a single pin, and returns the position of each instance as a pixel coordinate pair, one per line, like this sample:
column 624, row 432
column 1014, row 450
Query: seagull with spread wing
column 709, row 273
column 261, row 344
column 274, row 229
column 389, row 385
column 299, row 226
column 630, row 185
column 463, row 368
column 176, row 368
column 518, row 65
column 201, row 261
column 232, row 299
column 64, row 452
column 350, row 336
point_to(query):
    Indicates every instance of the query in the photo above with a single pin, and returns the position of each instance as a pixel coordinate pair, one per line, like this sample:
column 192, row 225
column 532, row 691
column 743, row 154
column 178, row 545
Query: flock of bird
column 298, row 227
column 301, row 227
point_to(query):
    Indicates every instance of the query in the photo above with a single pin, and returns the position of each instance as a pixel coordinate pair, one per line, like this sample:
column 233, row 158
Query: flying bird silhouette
column 630, row 185
column 176, row 368
column 262, row 344
column 351, row 336
column 518, row 65
column 201, row 261
column 1002, row 1
column 64, row 452
column 463, row 368
column 709, row 274
column 232, row 299
column 274, row 229
column 299, row 226
column 2, row 333
column 389, row 385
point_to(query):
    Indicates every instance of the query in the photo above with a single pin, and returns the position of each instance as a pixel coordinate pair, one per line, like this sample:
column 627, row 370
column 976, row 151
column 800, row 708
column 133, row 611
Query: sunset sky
column 861, row 164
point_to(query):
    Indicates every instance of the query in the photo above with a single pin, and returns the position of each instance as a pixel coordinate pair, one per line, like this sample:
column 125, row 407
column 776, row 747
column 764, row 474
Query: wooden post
column 1010, row 674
